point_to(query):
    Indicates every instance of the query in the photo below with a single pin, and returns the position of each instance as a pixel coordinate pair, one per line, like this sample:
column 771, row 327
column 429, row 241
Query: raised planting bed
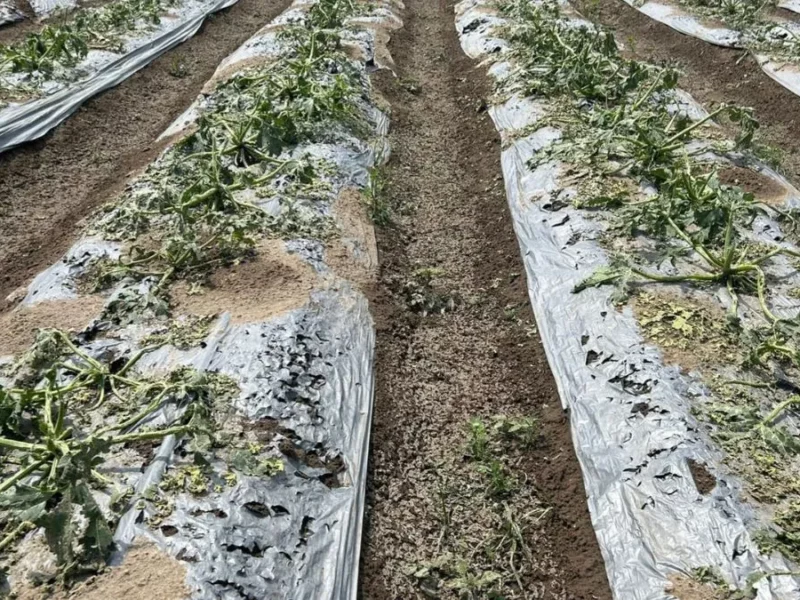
column 662, row 267
column 47, row 75
column 758, row 27
column 196, row 404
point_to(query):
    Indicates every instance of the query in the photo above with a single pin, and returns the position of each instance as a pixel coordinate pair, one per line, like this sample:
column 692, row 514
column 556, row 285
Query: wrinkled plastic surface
column 42, row 8
column 651, row 522
column 307, row 372
column 786, row 74
column 101, row 70
column 9, row 12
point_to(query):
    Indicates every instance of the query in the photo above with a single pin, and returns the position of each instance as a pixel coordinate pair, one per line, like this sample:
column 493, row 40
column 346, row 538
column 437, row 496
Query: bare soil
column 50, row 184
column 481, row 359
column 703, row 480
column 272, row 283
column 712, row 74
column 145, row 574
column 764, row 189
column 684, row 588
column 18, row 327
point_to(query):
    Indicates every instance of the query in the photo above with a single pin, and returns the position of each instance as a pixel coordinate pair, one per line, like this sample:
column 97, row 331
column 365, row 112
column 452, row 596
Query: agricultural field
column 383, row 299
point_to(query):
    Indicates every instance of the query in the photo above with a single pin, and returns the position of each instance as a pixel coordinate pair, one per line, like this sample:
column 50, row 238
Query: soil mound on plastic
column 764, row 188
column 145, row 574
column 272, row 283
column 18, row 327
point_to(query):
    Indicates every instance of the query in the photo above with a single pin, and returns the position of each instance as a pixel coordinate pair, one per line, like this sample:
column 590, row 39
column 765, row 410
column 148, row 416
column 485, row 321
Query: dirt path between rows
column 50, row 184
column 441, row 520
column 712, row 74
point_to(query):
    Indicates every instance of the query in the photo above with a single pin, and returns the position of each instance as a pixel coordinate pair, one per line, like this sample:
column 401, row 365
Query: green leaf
column 779, row 439
column 97, row 539
column 22, row 498
column 33, row 513
column 59, row 530
column 602, row 276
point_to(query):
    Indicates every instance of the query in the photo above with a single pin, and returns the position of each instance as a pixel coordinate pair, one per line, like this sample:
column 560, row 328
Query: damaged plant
column 53, row 450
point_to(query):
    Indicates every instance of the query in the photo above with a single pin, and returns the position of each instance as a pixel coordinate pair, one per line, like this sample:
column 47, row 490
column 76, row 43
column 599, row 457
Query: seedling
column 478, row 440
column 375, row 198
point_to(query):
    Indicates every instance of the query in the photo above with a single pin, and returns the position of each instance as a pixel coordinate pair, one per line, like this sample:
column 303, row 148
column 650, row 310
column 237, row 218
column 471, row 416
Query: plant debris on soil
column 475, row 491
column 52, row 183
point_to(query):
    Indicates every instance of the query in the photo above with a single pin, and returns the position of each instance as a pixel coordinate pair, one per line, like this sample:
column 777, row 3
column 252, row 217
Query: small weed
column 478, row 440
column 772, row 155
column 511, row 312
column 501, row 483
column 178, row 68
column 412, row 86
column 423, row 295
column 524, row 430
column 376, row 198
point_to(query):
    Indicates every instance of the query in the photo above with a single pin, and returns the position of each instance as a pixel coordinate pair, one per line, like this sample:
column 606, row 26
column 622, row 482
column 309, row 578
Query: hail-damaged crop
column 202, row 205
column 61, row 415
column 639, row 155
column 759, row 31
column 64, row 45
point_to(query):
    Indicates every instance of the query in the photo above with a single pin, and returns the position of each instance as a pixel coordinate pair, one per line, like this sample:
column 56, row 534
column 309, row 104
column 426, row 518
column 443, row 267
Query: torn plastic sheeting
column 309, row 370
column 307, row 546
column 784, row 73
column 649, row 518
column 21, row 123
column 792, row 5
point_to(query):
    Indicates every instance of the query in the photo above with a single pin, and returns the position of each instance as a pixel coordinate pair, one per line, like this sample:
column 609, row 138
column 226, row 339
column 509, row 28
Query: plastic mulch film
column 630, row 416
column 43, row 8
column 305, row 379
column 9, row 13
column 27, row 120
column 785, row 73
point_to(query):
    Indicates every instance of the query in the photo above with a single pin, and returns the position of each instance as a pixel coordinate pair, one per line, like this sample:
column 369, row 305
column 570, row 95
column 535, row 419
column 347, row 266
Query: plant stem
column 779, row 409
column 19, row 475
column 151, row 435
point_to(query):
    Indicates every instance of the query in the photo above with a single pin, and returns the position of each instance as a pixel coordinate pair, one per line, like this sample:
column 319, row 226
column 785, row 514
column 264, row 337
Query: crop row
column 70, row 408
column 645, row 166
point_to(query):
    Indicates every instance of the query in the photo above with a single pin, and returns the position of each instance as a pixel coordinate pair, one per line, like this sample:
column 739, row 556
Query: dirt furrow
column 49, row 185
column 441, row 509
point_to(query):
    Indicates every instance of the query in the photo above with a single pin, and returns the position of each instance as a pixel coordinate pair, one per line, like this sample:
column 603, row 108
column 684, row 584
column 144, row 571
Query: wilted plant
column 52, row 464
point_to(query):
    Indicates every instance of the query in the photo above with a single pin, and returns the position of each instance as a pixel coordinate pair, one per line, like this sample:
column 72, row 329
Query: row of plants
column 761, row 32
column 51, row 53
column 650, row 173
column 66, row 411
column 202, row 205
